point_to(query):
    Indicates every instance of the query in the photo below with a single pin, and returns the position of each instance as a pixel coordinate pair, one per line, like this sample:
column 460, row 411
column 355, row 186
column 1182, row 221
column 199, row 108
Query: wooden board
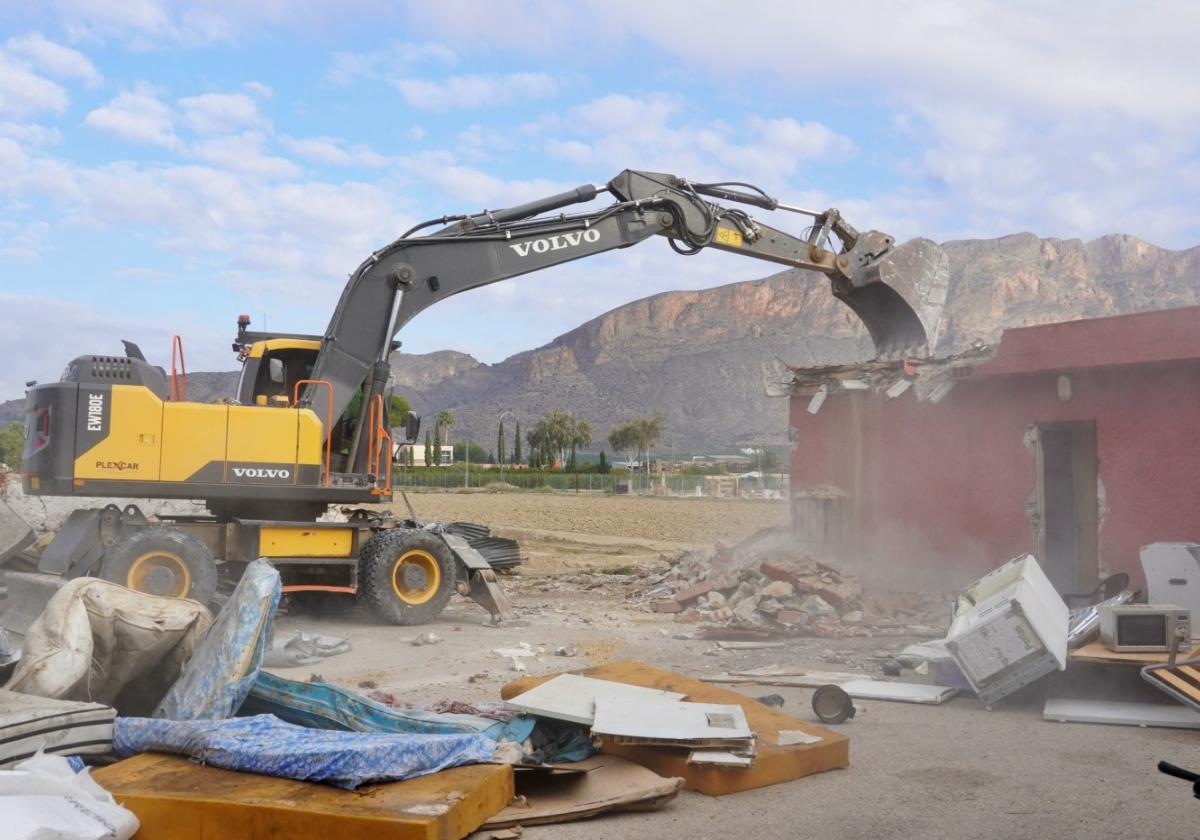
column 1097, row 652
column 772, row 763
column 176, row 799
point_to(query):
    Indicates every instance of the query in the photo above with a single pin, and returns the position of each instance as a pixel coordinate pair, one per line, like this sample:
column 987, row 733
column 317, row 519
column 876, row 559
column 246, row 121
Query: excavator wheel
column 406, row 576
column 162, row 561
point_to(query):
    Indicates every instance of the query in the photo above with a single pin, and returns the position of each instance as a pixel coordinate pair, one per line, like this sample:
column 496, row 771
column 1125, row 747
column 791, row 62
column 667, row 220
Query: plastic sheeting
column 99, row 641
column 220, row 673
column 266, row 745
column 46, row 798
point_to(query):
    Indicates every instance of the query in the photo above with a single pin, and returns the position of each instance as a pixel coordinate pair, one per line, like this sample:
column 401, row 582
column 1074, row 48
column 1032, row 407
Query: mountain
column 703, row 359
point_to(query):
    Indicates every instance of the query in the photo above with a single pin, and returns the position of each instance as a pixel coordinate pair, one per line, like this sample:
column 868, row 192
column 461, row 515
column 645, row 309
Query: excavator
column 309, row 425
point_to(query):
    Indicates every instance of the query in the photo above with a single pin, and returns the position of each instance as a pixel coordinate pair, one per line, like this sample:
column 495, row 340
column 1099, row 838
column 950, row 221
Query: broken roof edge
column 885, row 374
column 1163, row 336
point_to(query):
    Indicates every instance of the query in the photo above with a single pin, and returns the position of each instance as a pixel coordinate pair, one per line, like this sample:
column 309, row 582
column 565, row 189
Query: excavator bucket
column 900, row 298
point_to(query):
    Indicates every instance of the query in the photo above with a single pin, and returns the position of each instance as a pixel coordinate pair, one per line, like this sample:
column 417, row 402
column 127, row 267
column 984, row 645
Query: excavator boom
column 413, row 273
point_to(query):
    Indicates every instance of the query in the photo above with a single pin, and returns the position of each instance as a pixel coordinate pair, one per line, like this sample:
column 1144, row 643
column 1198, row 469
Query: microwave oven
column 1136, row 628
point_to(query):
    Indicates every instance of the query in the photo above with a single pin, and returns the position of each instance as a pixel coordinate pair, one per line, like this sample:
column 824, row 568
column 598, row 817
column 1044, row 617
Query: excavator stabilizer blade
column 900, row 298
column 28, row 594
column 15, row 533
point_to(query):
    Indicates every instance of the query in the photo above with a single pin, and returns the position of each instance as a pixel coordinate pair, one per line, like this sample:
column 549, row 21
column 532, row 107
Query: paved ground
column 954, row 771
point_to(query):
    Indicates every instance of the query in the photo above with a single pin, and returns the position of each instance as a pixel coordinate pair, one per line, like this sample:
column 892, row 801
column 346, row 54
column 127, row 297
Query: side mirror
column 275, row 370
column 412, row 427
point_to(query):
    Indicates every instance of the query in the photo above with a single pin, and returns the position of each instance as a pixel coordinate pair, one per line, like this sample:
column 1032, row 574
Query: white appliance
column 1009, row 629
column 1142, row 628
column 1173, row 576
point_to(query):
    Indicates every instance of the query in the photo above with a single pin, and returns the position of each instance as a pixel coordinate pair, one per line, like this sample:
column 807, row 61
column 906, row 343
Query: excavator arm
column 414, row 272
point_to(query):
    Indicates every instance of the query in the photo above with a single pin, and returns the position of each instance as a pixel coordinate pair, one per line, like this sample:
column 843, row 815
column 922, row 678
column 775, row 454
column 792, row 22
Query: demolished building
column 1074, row 441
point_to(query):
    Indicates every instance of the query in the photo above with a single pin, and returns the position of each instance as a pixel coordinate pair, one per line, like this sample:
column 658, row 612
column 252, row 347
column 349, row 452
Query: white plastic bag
column 44, row 799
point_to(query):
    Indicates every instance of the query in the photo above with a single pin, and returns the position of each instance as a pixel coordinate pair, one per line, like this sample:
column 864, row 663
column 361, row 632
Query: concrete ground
column 951, row 771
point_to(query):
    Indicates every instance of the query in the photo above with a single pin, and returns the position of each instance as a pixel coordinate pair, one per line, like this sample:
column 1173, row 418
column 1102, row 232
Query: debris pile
column 766, row 584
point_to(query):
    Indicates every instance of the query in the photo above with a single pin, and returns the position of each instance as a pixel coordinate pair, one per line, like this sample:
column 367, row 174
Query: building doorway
column 1068, row 510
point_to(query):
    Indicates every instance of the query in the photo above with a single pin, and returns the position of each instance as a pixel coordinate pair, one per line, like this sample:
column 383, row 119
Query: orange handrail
column 378, row 431
column 177, row 347
column 328, row 417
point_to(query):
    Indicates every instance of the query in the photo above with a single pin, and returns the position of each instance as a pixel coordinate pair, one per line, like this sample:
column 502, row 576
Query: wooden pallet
column 176, row 799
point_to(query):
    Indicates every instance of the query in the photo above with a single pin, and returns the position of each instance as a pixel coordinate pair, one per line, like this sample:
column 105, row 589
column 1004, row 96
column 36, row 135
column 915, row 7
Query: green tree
column 398, row 408
column 603, row 466
column 500, row 444
column 434, row 456
column 12, row 444
column 445, row 420
column 558, row 436
column 516, row 455
column 478, row 453
column 428, row 450
column 581, row 436
column 636, row 436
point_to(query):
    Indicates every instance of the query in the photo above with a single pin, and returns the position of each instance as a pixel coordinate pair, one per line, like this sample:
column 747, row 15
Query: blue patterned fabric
column 266, row 745
column 327, row 706
column 217, row 678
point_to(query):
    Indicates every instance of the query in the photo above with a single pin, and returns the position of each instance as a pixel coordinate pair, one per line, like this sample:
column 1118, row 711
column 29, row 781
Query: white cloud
column 55, row 59
column 1063, row 57
column 258, row 89
column 658, row 133
column 476, row 90
column 155, row 24
column 332, row 151
column 137, row 115
column 91, row 328
column 24, row 93
column 30, row 134
column 244, row 153
column 216, row 113
column 348, row 67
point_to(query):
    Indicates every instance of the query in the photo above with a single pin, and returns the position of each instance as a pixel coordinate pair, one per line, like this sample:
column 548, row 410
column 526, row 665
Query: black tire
column 160, row 560
column 393, row 592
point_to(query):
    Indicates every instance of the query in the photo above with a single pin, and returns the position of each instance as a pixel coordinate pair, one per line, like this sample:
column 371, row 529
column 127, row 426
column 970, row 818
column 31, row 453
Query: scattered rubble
column 764, row 583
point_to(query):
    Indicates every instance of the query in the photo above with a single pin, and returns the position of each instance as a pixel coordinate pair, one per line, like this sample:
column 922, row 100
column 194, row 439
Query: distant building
column 418, row 452
column 1074, row 441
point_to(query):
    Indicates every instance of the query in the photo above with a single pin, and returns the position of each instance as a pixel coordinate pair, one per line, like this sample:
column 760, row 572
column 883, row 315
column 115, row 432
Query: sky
column 165, row 166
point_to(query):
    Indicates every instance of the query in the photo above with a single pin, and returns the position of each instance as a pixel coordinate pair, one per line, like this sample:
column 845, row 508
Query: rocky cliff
column 704, row 359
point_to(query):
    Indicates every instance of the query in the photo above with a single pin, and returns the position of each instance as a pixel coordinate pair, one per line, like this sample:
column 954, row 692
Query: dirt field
column 563, row 531
column 641, row 517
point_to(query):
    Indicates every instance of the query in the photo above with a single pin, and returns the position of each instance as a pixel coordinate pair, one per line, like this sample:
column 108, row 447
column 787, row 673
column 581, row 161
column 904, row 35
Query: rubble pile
column 765, row 583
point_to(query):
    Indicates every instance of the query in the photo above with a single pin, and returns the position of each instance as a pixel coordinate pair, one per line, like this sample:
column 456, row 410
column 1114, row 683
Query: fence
column 676, row 485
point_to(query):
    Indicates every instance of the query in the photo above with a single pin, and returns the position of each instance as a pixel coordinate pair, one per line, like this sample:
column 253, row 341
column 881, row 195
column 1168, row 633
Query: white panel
column 571, row 697
column 667, row 720
column 900, row 692
column 1127, row 714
